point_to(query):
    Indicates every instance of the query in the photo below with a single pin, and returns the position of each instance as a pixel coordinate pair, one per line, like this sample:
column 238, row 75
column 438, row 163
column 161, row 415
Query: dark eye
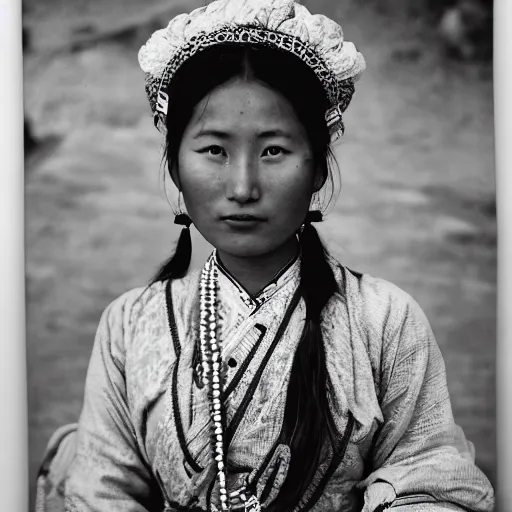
column 273, row 151
column 215, row 150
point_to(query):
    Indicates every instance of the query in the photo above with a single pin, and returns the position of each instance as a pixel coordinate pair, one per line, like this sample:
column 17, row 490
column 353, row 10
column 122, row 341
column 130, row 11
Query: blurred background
column 417, row 204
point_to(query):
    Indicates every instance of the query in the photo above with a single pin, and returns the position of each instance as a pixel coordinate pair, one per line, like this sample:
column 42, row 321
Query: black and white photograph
column 260, row 255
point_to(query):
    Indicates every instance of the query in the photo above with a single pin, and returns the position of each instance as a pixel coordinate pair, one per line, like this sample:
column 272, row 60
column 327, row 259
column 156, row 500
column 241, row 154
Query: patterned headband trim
column 340, row 93
column 281, row 24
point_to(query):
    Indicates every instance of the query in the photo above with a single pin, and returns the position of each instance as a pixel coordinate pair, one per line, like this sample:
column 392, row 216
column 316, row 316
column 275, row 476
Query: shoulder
column 141, row 313
column 380, row 305
column 120, row 318
column 380, row 294
column 386, row 320
column 140, row 303
column 400, row 309
column 125, row 310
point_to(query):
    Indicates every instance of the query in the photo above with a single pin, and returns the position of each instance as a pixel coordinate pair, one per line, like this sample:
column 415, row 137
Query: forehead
column 246, row 104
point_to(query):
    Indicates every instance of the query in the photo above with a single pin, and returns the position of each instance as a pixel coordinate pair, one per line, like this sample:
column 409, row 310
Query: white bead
column 211, row 364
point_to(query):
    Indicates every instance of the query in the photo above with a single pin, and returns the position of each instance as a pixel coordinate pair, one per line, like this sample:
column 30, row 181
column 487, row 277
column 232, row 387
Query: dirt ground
column 417, row 204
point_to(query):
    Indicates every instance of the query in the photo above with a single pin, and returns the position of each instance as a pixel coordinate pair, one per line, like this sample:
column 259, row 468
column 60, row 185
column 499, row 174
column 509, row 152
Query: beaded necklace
column 211, row 365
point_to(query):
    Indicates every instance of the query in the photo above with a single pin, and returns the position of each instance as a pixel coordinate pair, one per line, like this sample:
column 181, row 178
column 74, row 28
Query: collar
column 229, row 286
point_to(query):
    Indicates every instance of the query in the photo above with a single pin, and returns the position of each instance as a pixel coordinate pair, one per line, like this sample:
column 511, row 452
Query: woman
column 276, row 378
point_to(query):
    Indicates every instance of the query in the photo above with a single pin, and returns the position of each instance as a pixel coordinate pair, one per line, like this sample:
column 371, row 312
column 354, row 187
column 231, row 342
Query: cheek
column 199, row 185
column 294, row 188
column 291, row 198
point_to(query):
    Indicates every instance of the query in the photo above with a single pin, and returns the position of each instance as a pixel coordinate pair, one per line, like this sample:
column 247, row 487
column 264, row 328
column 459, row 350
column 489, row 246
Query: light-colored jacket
column 143, row 436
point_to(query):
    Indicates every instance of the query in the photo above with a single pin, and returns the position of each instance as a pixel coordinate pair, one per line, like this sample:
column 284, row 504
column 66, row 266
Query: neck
column 254, row 273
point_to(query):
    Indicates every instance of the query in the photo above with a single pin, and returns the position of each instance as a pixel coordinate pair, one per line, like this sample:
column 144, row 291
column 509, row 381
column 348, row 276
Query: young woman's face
column 246, row 170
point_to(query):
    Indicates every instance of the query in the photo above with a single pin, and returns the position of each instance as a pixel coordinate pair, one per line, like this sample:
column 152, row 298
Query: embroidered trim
column 411, row 499
column 337, row 458
column 243, row 367
column 267, row 460
column 240, row 412
column 209, row 492
column 271, row 479
column 263, row 295
column 338, row 92
column 175, row 398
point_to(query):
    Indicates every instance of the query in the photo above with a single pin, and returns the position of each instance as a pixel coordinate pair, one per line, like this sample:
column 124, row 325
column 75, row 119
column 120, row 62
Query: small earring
column 313, row 216
column 182, row 219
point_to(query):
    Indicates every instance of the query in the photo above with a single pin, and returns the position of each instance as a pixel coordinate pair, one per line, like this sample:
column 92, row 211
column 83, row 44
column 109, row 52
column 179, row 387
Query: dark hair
column 308, row 422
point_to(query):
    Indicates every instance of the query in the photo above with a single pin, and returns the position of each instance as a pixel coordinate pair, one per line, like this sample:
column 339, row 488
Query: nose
column 242, row 183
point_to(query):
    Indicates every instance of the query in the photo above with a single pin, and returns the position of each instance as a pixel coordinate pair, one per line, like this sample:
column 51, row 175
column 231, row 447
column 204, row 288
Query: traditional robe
column 143, row 440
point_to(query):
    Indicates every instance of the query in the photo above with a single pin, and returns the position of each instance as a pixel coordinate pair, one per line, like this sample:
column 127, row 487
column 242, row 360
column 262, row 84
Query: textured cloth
column 143, row 436
column 280, row 24
column 60, row 452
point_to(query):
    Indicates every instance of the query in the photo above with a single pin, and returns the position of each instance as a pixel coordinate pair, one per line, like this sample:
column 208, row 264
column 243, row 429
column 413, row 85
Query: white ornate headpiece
column 281, row 24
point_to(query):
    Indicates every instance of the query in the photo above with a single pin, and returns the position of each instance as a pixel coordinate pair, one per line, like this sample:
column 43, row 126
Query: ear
column 320, row 178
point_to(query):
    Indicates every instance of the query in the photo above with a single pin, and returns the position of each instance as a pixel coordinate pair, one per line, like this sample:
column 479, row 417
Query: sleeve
column 419, row 450
column 108, row 472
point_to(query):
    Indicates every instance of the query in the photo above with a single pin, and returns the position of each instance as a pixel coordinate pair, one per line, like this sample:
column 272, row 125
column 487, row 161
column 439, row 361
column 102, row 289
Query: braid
column 308, row 421
column 177, row 265
column 317, row 279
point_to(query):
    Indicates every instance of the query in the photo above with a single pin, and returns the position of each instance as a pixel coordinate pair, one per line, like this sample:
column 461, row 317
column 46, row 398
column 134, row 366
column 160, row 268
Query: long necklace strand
column 211, row 364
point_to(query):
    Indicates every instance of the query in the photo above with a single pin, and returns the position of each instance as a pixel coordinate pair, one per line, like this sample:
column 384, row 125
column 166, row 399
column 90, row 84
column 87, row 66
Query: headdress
column 280, row 24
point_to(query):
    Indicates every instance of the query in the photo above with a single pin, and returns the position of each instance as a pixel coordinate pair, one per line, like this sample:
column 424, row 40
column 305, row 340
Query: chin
column 243, row 251
column 250, row 244
column 248, row 248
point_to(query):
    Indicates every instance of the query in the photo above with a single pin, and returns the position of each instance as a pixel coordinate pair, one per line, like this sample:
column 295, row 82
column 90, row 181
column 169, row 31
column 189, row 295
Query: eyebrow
column 274, row 133
column 212, row 133
column 220, row 134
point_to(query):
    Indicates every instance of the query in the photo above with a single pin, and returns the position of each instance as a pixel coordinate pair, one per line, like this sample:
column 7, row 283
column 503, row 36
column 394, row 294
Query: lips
column 243, row 217
column 243, row 221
